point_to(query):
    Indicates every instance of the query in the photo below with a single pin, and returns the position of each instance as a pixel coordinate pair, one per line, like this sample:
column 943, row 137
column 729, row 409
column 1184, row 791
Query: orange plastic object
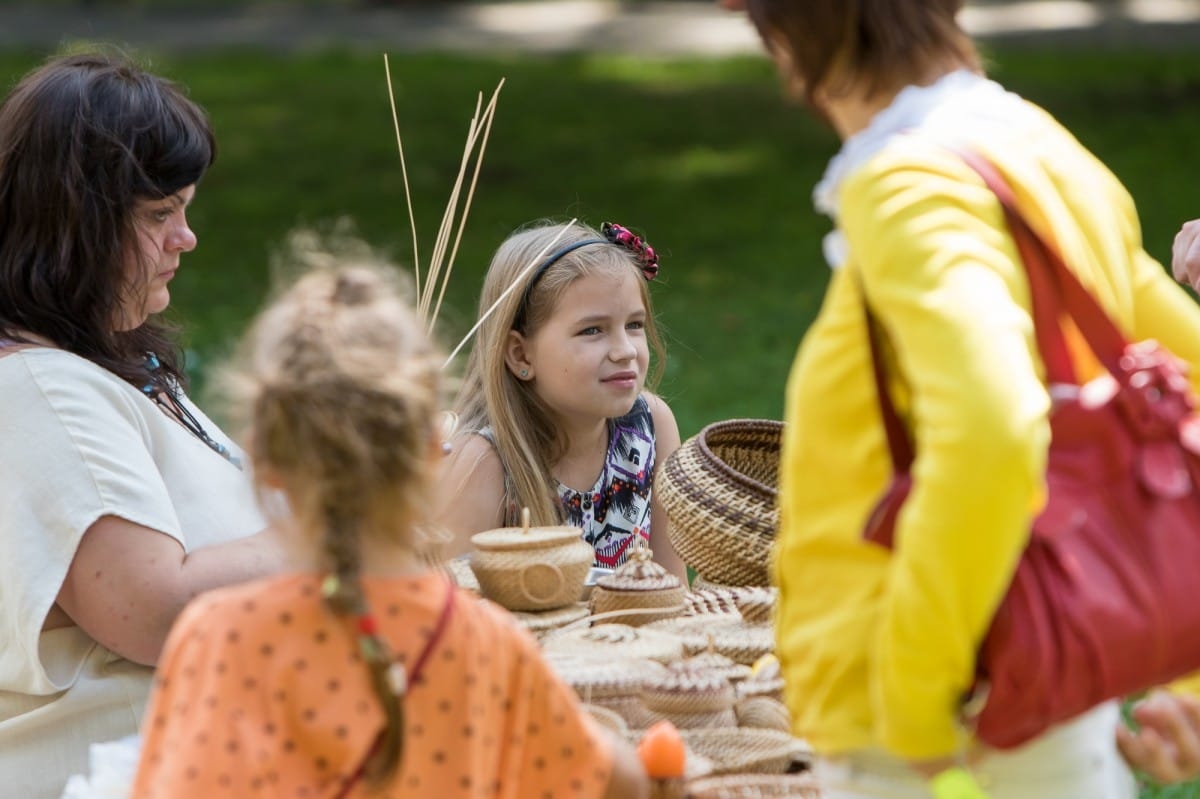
column 662, row 752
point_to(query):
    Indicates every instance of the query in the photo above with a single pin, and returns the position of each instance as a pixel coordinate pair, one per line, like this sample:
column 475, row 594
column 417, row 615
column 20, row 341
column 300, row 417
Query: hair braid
column 343, row 593
column 338, row 389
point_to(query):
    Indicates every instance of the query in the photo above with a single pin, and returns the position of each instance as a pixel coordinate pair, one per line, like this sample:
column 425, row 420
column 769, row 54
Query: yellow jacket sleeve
column 942, row 275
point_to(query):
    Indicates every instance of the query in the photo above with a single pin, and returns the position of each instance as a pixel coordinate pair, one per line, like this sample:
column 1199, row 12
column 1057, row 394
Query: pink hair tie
column 647, row 258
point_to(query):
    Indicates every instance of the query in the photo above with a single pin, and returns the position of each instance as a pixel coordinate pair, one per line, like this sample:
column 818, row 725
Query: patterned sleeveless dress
column 615, row 512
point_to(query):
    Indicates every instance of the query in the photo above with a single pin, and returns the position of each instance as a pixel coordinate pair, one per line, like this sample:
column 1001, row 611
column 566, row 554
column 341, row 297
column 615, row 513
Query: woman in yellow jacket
column 878, row 647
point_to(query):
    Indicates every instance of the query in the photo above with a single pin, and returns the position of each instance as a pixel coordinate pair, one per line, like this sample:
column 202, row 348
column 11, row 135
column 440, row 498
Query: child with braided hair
column 360, row 671
column 553, row 411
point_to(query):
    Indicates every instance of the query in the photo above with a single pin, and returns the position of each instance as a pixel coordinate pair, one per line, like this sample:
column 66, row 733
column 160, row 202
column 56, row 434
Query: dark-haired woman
column 878, row 647
column 120, row 499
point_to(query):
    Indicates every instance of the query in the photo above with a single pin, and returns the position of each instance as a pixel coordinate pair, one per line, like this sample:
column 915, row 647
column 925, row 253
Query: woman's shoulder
column 57, row 372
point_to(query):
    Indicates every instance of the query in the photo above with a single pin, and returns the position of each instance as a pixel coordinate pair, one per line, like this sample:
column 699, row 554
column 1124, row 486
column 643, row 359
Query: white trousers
column 1075, row 760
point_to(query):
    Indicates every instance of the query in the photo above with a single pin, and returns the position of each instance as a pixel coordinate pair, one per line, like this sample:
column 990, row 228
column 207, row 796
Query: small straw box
column 638, row 585
column 691, row 697
column 720, row 492
column 531, row 568
column 614, row 684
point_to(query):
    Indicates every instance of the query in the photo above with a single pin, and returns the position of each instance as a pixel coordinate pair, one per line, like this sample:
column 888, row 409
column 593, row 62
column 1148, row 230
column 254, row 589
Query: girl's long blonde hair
column 526, row 437
column 338, row 390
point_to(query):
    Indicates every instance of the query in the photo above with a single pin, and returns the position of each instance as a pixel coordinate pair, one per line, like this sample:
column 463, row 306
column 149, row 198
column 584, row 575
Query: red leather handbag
column 1105, row 600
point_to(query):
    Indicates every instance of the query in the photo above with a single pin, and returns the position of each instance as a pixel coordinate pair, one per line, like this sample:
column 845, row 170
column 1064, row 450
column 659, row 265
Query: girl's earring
column 524, row 373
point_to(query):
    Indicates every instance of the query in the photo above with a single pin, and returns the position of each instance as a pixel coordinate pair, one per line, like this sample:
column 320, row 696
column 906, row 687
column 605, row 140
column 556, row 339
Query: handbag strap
column 900, row 446
column 1053, row 289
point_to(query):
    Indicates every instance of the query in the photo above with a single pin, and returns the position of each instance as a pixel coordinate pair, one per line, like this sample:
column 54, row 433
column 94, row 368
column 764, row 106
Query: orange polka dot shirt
column 261, row 691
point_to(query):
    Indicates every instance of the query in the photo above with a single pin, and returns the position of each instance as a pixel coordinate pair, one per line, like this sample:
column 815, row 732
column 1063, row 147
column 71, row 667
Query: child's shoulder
column 494, row 622
column 253, row 600
column 654, row 406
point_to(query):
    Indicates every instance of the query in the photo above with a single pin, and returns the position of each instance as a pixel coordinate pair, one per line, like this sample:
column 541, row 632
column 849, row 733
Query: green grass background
column 703, row 156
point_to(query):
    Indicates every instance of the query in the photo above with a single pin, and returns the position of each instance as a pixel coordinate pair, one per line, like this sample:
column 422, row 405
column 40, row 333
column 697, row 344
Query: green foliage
column 703, row 156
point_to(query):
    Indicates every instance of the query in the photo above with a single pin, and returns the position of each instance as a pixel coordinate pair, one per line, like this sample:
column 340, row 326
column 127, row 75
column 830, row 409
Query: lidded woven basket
column 611, row 683
column 720, row 492
column 616, row 641
column 641, row 585
column 714, row 661
column 691, row 696
column 531, row 568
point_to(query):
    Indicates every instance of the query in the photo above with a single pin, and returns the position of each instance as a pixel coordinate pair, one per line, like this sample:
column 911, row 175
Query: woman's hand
column 1185, row 254
column 1166, row 745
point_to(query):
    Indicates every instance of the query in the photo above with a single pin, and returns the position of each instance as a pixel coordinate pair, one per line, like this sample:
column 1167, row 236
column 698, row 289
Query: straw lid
column 617, row 640
column 639, row 573
column 539, row 622
column 713, row 661
column 714, row 600
column 723, row 633
column 522, row 538
column 681, row 677
column 596, row 677
column 756, row 604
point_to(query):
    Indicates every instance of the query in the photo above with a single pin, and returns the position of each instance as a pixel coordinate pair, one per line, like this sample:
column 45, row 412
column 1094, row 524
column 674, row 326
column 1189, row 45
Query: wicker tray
column 719, row 490
column 744, row 750
column 754, row 786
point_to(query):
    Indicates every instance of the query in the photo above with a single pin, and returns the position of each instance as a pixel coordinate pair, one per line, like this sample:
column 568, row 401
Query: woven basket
column 743, row 750
column 756, row 605
column 531, row 568
column 542, row 623
column 764, row 712
column 641, row 585
column 613, row 683
column 608, row 718
column 726, row 635
column 719, row 492
column 754, row 786
column 691, row 697
column 615, row 641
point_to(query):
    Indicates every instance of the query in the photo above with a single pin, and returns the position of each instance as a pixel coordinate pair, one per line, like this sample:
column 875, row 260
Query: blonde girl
column 359, row 671
column 553, row 411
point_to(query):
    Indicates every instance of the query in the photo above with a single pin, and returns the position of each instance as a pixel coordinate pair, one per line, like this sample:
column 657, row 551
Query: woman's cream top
column 79, row 443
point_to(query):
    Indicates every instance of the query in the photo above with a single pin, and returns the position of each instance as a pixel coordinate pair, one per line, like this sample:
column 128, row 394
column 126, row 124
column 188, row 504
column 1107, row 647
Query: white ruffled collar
column 958, row 107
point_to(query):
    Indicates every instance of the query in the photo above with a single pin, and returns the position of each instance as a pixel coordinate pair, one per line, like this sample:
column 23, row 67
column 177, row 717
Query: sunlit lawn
column 701, row 156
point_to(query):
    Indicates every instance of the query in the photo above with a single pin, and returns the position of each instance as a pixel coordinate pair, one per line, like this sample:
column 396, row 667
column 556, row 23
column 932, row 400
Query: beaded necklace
column 165, row 394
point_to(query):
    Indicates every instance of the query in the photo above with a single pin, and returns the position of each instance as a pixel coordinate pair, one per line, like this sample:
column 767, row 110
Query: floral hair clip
column 647, row 258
